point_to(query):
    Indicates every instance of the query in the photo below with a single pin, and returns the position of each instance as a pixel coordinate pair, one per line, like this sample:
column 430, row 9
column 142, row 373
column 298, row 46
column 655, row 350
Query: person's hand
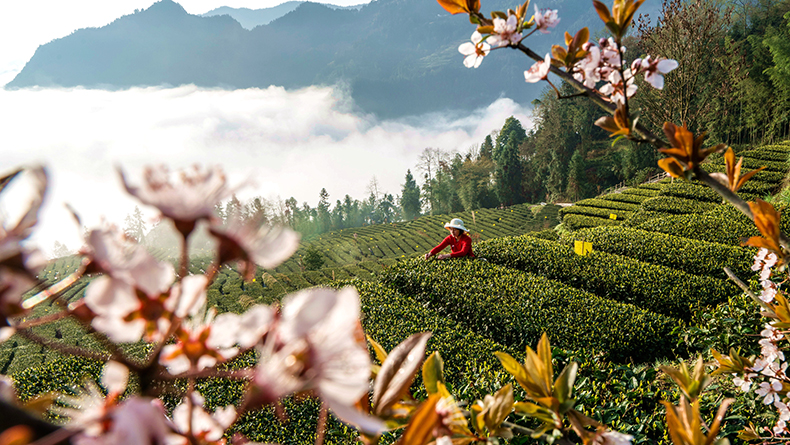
column 427, row 255
column 443, row 257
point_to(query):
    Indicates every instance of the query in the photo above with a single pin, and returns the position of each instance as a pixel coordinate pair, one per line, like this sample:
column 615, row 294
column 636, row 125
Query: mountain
column 250, row 18
column 396, row 57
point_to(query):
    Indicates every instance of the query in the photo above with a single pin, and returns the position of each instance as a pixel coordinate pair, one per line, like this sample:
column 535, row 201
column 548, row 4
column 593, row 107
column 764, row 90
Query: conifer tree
column 410, row 198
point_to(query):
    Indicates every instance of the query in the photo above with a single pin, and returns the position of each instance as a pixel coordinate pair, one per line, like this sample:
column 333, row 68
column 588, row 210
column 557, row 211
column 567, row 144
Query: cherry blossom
column 107, row 420
column 587, row 70
column 769, row 391
column 654, row 69
column 474, row 52
column 203, row 426
column 505, row 32
column 745, row 382
column 539, row 71
column 616, row 88
column 186, row 201
column 318, row 345
column 251, row 245
column 200, row 345
column 545, row 19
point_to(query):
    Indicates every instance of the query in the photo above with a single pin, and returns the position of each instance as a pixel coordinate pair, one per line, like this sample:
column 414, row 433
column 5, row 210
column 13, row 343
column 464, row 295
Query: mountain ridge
column 396, row 57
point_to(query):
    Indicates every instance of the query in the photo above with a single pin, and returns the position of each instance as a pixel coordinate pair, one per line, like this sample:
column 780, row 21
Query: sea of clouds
column 291, row 143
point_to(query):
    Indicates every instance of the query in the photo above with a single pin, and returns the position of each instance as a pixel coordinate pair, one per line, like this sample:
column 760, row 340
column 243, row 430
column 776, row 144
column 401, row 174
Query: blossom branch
column 62, row 348
column 610, row 108
column 745, row 288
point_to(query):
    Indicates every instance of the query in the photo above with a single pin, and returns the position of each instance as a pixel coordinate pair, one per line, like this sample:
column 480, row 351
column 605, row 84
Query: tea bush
column 515, row 308
column 656, row 288
column 676, row 205
column 692, row 256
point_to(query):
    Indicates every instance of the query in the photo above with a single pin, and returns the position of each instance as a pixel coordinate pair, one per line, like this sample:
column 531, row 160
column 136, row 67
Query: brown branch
column 62, row 348
column 746, row 289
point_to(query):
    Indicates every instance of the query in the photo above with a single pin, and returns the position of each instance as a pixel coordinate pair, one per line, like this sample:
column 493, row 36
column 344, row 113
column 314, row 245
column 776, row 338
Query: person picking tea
column 459, row 241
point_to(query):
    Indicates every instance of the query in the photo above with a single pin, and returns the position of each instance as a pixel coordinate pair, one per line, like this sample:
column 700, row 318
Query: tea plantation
column 652, row 290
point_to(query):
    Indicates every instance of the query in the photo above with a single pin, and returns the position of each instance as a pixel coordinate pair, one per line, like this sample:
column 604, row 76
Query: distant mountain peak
column 166, row 6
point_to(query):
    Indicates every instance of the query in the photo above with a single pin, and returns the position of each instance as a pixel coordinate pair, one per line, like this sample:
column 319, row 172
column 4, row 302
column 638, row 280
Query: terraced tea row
column 514, row 308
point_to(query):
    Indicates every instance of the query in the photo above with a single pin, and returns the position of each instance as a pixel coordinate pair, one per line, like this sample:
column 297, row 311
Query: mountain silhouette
column 396, row 57
column 250, row 18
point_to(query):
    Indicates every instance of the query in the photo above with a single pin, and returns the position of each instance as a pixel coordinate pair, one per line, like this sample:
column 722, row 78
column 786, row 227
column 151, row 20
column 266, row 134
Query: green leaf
column 433, row 372
column 563, row 386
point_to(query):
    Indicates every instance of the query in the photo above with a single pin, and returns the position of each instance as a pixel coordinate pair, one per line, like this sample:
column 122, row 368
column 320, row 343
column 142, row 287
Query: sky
column 289, row 143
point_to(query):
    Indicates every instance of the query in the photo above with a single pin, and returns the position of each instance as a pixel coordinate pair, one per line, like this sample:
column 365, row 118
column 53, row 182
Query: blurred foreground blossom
column 190, row 418
column 19, row 265
column 251, row 245
column 191, row 198
column 318, row 345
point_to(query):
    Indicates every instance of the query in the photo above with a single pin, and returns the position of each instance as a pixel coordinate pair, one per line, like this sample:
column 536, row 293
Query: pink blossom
column 203, row 426
column 191, row 198
column 769, row 391
column 655, row 69
column 587, row 70
column 200, row 345
column 318, row 345
column 474, row 52
column 545, row 19
column 251, row 245
column 610, row 437
column 505, row 32
column 769, row 292
column 539, row 71
column 616, row 88
column 137, row 421
column 745, row 382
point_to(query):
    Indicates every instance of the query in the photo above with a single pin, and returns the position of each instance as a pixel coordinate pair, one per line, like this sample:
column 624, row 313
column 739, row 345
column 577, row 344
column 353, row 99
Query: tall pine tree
column 410, row 198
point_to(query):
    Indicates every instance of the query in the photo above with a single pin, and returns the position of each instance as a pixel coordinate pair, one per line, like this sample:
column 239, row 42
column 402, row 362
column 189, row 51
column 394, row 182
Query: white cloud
column 292, row 143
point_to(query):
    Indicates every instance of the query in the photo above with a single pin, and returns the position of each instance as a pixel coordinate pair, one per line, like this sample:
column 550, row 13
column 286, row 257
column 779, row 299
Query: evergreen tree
column 135, row 225
column 487, row 149
column 410, row 198
column 508, row 174
column 576, row 180
column 323, row 218
column 59, row 250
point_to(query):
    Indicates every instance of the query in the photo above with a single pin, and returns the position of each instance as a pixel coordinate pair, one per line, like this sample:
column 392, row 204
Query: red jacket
column 460, row 247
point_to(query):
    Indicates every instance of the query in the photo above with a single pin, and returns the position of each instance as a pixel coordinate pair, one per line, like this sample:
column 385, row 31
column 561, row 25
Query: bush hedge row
column 515, row 308
column 676, row 205
column 751, row 164
column 691, row 190
column 692, row 256
column 595, row 211
column 576, row 222
column 607, row 204
column 653, row 287
column 724, row 224
column 625, row 197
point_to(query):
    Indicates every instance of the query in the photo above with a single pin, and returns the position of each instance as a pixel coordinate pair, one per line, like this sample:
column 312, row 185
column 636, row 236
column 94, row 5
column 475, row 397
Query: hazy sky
column 291, row 143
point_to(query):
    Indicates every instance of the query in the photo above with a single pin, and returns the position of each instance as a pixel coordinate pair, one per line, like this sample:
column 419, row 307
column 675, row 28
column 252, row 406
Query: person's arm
column 463, row 247
column 445, row 242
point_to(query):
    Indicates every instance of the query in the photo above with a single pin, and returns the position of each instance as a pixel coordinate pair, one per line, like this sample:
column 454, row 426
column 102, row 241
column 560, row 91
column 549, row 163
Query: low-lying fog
column 292, row 143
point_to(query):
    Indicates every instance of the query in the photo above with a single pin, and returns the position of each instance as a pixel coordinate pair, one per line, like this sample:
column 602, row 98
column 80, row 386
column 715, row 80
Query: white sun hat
column 455, row 223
